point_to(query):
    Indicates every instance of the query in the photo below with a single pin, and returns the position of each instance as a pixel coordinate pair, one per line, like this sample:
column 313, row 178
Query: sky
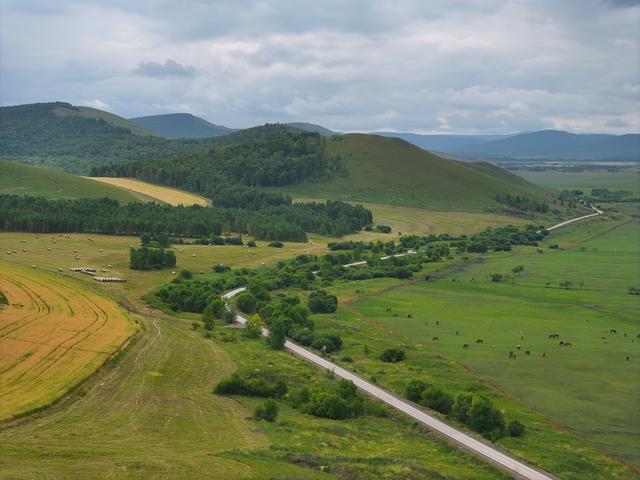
column 437, row 66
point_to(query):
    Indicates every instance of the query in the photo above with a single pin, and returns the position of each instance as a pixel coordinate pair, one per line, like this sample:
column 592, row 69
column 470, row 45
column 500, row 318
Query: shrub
column 251, row 244
column 327, row 343
column 437, row 399
column 413, row 390
column 246, row 302
column 515, row 428
column 277, row 333
column 497, row 277
column 485, row 419
column 321, row 301
column 251, row 387
column 518, row 269
column 254, row 327
column 276, row 244
column 267, row 410
column 327, row 405
column 221, row 268
column 461, row 406
column 302, row 335
column 186, row 274
column 392, row 355
column 229, row 316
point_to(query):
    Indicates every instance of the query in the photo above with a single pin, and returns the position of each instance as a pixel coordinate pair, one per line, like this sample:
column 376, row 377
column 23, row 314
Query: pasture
column 21, row 179
column 586, row 181
column 148, row 191
column 54, row 333
column 588, row 388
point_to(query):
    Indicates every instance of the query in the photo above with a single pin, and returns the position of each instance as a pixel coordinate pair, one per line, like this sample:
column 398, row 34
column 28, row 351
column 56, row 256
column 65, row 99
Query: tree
column 437, row 399
column 246, row 302
column 413, row 390
column 485, row 419
column 229, row 316
column 186, row 274
column 461, row 406
column 321, row 301
column 267, row 410
column 515, row 428
column 277, row 333
column 327, row 405
column 254, row 326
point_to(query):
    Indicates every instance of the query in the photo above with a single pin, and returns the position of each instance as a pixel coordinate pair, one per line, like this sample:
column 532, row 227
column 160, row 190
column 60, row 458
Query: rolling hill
column 392, row 171
column 180, row 125
column 95, row 114
column 21, row 179
column 441, row 143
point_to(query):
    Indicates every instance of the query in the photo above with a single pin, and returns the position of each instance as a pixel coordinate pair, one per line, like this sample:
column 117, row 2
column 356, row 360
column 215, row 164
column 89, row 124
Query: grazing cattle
column 603, row 338
column 561, row 343
column 479, row 341
column 527, row 352
column 409, row 316
column 493, row 346
column 554, row 335
column 521, row 337
column 544, row 355
column 435, row 339
column 518, row 347
column 457, row 332
column 613, row 330
column 387, row 309
column 437, row 322
column 512, row 356
column 395, row 314
column 567, row 344
column 625, row 335
column 465, row 346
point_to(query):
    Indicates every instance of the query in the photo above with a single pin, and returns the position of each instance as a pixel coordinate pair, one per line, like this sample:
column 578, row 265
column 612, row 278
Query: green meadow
column 586, row 181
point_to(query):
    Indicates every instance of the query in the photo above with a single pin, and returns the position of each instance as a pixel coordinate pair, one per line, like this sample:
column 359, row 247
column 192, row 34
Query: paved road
column 482, row 449
column 488, row 452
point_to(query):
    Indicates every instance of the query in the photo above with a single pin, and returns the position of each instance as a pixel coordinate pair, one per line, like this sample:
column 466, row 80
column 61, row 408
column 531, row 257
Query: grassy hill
column 392, row 171
column 110, row 118
column 21, row 179
column 180, row 125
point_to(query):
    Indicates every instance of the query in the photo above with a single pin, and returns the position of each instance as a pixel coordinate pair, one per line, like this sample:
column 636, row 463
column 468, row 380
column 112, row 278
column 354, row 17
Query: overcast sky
column 450, row 66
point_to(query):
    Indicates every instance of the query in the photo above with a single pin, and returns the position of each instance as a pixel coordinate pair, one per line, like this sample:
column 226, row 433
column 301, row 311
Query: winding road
column 478, row 447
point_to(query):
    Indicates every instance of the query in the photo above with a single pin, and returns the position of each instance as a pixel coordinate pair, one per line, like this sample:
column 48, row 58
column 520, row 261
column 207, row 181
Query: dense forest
column 284, row 158
column 62, row 136
column 287, row 222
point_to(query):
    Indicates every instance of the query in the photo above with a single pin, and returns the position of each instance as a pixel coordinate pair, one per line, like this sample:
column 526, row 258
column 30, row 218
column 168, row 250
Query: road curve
column 500, row 459
column 567, row 222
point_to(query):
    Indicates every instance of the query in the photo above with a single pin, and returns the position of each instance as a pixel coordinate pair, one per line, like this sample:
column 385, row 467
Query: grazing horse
column 387, row 309
column 544, row 355
column 409, row 316
column 554, row 335
column 437, row 322
column 465, row 346
column 457, row 332
column 567, row 344
column 527, row 352
column 613, row 330
column 479, row 340
column 493, row 346
column 512, row 356
column 561, row 344
column 435, row 339
column 518, row 346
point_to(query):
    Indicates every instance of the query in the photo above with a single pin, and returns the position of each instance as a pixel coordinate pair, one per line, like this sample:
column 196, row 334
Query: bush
column 277, row 334
column 515, row 428
column 246, row 302
column 327, row 343
column 461, row 406
column 251, row 387
column 186, row 274
column 251, row 244
column 276, row 244
column 229, row 316
column 254, row 327
column 321, row 301
column 413, row 390
column 518, row 269
column 302, row 335
column 267, row 410
column 485, row 419
column 437, row 399
column 220, row 268
column 497, row 277
column 327, row 405
column 392, row 355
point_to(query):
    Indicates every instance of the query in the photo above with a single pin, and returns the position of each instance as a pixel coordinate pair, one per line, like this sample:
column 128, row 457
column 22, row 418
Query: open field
column 586, row 181
column 588, row 388
column 53, row 334
column 150, row 411
column 21, row 179
column 154, row 192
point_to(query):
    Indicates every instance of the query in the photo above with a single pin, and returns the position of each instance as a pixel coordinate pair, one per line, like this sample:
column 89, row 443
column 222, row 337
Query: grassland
column 589, row 389
column 53, row 334
column 110, row 118
column 587, row 181
column 393, row 172
column 150, row 412
column 168, row 195
column 21, row 179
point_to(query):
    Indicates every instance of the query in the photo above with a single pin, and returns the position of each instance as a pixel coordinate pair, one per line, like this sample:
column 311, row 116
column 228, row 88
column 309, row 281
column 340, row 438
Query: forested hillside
column 74, row 139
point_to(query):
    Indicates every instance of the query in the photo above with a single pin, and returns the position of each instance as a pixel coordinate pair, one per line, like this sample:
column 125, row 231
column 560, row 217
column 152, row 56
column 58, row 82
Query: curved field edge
column 160, row 193
column 54, row 334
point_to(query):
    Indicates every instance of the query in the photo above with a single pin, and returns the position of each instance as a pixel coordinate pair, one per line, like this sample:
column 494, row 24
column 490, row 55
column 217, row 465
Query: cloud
column 170, row 68
column 463, row 66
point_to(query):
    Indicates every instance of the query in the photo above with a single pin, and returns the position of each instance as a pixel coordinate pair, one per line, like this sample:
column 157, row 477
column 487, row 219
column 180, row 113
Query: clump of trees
column 251, row 386
column 523, row 203
column 145, row 258
column 392, row 355
column 321, row 301
column 267, row 410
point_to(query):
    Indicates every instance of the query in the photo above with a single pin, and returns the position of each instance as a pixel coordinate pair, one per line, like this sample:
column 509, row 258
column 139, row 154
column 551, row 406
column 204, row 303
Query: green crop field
column 588, row 388
column 21, row 179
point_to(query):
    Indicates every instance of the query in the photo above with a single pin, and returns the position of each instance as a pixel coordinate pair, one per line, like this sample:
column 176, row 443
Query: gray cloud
column 170, row 68
column 463, row 66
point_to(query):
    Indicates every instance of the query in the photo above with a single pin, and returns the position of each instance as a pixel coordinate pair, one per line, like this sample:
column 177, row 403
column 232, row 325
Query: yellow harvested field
column 149, row 191
column 54, row 333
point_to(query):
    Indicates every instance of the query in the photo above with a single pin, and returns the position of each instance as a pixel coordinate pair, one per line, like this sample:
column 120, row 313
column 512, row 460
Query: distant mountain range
column 181, row 125
column 541, row 145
